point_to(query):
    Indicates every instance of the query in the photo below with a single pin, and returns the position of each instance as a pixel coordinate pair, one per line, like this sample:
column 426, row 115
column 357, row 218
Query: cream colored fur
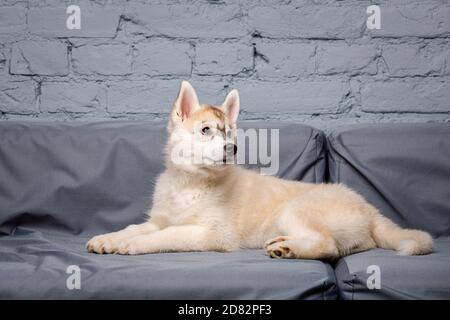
column 224, row 207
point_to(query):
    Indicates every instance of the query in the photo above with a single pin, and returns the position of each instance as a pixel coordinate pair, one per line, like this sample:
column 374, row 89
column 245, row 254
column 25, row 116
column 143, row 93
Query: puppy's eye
column 206, row 130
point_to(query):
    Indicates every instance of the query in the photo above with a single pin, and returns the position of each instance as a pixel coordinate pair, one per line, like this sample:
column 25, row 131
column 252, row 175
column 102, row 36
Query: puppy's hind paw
column 275, row 240
column 279, row 250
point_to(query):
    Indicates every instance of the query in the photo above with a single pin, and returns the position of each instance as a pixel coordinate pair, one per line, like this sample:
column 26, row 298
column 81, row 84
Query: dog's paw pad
column 279, row 250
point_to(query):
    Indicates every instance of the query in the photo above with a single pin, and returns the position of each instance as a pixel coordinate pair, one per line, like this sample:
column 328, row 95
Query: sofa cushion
column 401, row 277
column 33, row 265
column 61, row 183
column 402, row 169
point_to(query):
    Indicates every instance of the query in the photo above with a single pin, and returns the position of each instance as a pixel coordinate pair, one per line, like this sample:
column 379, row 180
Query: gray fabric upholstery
column 33, row 265
column 402, row 169
column 85, row 178
column 402, row 277
column 62, row 183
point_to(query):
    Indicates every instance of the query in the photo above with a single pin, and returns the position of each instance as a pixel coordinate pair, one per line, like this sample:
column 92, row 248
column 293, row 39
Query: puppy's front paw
column 279, row 250
column 104, row 243
column 132, row 246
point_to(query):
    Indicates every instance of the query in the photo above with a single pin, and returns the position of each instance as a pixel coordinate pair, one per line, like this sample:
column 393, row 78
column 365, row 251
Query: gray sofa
column 61, row 183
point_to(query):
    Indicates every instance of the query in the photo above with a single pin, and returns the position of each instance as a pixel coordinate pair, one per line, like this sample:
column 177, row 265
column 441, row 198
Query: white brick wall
column 310, row 61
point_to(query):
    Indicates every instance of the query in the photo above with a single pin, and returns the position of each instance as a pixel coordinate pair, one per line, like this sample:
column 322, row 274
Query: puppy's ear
column 231, row 106
column 186, row 102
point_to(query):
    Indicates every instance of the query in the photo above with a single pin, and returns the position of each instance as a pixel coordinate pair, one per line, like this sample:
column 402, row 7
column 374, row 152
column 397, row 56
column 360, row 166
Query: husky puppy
column 210, row 205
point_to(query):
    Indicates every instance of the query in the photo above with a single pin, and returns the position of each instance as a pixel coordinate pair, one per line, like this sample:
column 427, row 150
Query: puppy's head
column 202, row 136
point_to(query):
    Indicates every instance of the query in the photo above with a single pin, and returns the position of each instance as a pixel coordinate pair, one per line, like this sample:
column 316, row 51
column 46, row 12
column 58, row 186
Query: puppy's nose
column 230, row 148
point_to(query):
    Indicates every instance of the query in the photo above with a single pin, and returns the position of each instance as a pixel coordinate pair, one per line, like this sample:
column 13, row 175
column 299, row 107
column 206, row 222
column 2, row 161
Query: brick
column 223, row 58
column 72, row 97
column 417, row 20
column 284, row 60
column 302, row 97
column 157, row 96
column 2, row 58
column 189, row 21
column 413, row 60
column 114, row 59
column 412, row 96
column 446, row 55
column 332, row 59
column 325, row 22
column 95, row 21
column 211, row 91
column 18, row 97
column 39, row 58
column 12, row 19
column 163, row 57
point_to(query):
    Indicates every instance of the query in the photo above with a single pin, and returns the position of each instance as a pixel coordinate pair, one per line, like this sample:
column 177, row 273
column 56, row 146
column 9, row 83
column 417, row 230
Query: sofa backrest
column 402, row 169
column 86, row 178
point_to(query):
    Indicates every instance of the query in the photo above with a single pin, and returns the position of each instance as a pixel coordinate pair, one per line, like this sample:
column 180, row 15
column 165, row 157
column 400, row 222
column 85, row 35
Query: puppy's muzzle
column 230, row 149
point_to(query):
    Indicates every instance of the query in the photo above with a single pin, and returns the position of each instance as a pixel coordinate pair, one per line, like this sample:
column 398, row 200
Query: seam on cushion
column 323, row 289
column 339, row 164
column 346, row 279
column 336, row 158
column 301, row 153
column 323, row 147
column 327, row 156
column 315, row 165
column 323, row 150
column 331, row 157
column 308, row 142
column 353, row 286
column 328, row 290
column 330, row 287
column 351, row 283
column 307, row 146
column 319, row 151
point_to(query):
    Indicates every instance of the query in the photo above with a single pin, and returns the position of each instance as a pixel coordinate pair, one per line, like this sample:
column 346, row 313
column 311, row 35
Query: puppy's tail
column 388, row 235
